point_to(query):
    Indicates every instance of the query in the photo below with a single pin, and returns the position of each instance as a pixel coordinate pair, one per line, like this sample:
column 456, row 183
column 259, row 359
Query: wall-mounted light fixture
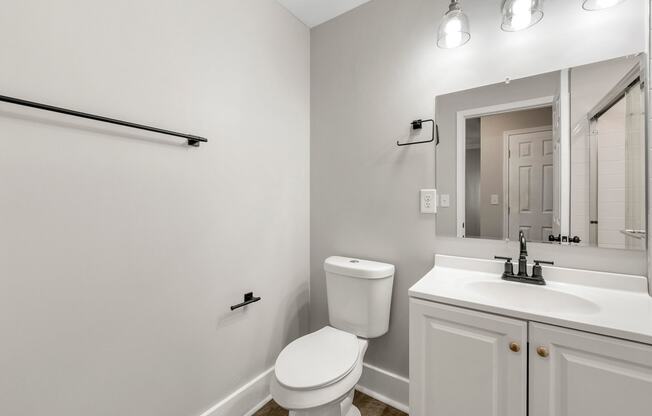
column 600, row 4
column 521, row 14
column 454, row 27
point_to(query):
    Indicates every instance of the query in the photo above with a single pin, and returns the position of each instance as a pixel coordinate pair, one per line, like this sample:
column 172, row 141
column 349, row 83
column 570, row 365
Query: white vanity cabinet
column 577, row 373
column 468, row 363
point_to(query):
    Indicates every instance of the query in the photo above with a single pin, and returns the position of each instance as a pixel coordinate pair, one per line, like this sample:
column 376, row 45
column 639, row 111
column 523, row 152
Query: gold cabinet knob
column 543, row 352
column 514, row 347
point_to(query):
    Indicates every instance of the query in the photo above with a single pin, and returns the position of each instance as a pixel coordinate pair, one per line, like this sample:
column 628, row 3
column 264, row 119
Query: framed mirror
column 560, row 156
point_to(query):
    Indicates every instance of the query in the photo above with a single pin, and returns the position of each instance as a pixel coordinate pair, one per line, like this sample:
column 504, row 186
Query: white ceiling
column 316, row 12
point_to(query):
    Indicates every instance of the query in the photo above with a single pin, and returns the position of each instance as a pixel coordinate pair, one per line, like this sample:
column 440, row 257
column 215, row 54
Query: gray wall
column 377, row 68
column 648, row 18
column 590, row 83
column 121, row 251
column 472, row 216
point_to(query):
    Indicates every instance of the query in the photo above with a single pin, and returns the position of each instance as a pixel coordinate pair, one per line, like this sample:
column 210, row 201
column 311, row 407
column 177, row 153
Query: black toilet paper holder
column 248, row 300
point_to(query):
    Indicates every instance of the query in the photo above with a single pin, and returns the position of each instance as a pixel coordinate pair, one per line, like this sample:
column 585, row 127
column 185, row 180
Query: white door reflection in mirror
column 530, row 183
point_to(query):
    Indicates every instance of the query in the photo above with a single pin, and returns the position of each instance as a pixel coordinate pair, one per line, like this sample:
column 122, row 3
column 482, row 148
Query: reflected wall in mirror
column 560, row 156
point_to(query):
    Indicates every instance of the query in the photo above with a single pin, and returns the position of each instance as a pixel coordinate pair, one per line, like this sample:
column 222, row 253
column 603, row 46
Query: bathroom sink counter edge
column 603, row 303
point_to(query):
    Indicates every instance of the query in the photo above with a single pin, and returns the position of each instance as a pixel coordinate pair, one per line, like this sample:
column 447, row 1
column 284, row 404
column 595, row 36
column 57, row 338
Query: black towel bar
column 192, row 140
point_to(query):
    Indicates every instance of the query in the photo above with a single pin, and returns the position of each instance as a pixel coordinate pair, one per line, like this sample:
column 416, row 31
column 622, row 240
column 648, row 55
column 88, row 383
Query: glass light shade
column 600, row 4
column 521, row 14
column 453, row 28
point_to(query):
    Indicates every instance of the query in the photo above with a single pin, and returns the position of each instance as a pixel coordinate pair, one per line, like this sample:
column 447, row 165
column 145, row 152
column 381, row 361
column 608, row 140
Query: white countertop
column 619, row 305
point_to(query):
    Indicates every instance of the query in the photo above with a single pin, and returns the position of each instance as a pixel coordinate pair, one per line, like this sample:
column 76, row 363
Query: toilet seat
column 326, row 395
column 317, row 360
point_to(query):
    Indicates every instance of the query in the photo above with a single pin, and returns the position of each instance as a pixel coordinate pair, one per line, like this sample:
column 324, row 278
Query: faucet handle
column 509, row 267
column 537, row 272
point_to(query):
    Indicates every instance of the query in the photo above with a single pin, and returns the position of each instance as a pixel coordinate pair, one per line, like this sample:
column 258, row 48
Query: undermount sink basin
column 524, row 296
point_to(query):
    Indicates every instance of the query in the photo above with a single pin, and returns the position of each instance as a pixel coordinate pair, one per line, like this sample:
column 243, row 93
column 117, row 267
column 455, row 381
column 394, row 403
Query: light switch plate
column 445, row 201
column 494, row 199
column 428, row 201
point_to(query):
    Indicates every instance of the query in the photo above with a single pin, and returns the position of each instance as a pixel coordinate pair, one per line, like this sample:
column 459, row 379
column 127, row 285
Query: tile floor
column 367, row 406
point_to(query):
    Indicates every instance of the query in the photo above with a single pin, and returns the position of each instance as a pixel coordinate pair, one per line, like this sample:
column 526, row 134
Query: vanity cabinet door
column 466, row 363
column 574, row 373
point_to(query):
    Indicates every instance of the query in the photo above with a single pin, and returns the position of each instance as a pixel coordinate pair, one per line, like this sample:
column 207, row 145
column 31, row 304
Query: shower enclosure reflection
column 608, row 154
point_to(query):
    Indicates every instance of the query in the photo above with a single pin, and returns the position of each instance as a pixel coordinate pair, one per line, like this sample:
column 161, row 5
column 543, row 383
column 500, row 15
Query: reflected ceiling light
column 521, row 14
column 453, row 28
column 600, row 4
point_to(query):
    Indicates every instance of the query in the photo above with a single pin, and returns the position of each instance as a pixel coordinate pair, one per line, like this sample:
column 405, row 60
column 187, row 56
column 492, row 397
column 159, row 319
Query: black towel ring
column 417, row 125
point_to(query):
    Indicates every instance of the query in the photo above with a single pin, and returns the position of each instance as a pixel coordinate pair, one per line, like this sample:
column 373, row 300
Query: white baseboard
column 245, row 401
column 385, row 386
column 375, row 382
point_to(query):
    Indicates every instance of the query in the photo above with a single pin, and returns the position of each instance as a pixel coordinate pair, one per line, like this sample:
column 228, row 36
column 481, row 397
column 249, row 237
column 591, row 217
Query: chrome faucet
column 522, row 276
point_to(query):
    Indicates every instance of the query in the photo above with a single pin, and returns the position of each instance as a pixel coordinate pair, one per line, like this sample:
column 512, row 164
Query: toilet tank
column 359, row 295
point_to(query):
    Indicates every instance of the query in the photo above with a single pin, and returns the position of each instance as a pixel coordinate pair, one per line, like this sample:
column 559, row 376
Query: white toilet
column 316, row 374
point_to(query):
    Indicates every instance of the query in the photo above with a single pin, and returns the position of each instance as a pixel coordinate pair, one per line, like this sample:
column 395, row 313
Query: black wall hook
column 248, row 299
column 417, row 125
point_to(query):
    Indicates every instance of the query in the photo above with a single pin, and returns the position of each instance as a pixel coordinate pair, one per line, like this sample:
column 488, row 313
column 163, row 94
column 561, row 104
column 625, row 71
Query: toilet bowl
column 316, row 374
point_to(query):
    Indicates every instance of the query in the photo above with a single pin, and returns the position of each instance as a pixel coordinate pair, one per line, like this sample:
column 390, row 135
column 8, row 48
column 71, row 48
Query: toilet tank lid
column 363, row 269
